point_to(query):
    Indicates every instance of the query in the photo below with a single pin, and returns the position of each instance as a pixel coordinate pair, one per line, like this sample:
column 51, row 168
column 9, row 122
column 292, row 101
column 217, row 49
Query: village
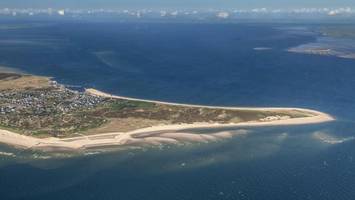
column 46, row 102
column 37, row 108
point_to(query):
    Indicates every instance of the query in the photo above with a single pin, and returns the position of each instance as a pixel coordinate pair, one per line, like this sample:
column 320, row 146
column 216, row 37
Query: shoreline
column 157, row 135
column 103, row 94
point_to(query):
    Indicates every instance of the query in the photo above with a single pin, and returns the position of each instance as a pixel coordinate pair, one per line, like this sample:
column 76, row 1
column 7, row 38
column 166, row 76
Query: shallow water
column 213, row 64
column 339, row 47
column 277, row 163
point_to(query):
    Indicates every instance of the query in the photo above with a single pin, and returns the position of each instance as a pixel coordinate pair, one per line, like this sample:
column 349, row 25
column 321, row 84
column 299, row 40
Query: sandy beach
column 103, row 94
column 157, row 135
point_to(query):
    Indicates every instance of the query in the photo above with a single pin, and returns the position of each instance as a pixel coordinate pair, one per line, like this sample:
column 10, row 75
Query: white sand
column 103, row 94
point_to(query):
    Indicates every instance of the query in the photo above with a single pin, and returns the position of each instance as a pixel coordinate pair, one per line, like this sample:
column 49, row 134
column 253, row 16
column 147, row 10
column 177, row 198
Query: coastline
column 103, row 94
column 157, row 135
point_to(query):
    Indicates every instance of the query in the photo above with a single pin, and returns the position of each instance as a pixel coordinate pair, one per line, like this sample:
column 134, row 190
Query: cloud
column 61, row 12
column 223, row 15
column 340, row 11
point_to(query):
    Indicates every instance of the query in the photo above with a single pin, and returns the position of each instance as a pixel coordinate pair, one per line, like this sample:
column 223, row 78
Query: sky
column 203, row 4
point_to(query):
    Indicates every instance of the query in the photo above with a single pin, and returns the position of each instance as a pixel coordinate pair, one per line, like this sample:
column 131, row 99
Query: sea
column 221, row 64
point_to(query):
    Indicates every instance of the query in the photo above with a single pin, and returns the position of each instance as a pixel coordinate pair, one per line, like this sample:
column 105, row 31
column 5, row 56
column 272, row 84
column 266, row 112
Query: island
column 38, row 113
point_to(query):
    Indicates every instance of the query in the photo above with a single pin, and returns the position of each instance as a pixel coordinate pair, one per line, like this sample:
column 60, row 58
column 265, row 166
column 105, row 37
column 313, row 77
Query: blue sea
column 223, row 64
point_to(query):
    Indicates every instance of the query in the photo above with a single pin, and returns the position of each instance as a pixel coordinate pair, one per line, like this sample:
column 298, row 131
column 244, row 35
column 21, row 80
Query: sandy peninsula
column 158, row 135
column 39, row 113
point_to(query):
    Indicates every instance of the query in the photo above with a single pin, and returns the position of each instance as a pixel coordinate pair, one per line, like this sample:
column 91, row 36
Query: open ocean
column 211, row 64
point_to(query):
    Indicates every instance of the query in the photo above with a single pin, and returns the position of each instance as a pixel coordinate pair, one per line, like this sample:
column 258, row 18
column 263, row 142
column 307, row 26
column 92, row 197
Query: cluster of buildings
column 45, row 101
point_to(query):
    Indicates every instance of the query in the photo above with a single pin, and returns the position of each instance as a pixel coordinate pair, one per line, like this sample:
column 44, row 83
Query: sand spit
column 158, row 135
column 311, row 112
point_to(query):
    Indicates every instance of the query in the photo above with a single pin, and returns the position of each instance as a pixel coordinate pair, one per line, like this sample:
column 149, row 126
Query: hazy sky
column 242, row 4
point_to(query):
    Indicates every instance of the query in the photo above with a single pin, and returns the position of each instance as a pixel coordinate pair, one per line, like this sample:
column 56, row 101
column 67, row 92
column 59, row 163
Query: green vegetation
column 122, row 104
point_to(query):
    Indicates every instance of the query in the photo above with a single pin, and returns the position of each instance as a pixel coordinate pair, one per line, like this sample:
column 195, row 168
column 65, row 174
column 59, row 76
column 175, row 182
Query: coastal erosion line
column 157, row 135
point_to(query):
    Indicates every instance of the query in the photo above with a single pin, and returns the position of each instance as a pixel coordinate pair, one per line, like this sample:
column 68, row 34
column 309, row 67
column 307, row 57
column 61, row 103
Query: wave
column 7, row 154
column 262, row 48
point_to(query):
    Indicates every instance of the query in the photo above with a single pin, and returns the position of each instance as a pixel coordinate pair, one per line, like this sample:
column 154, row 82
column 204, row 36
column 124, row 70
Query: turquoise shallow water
column 212, row 64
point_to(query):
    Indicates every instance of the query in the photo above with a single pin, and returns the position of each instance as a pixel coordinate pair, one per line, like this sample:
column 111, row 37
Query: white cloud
column 61, row 12
column 338, row 11
column 175, row 13
column 260, row 10
column 223, row 15
column 332, row 13
column 163, row 13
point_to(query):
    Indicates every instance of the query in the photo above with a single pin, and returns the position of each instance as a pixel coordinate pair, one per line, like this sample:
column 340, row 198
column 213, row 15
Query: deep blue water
column 213, row 64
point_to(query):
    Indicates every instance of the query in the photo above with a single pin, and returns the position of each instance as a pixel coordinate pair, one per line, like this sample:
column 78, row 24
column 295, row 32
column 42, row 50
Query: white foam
column 330, row 139
column 7, row 154
column 262, row 48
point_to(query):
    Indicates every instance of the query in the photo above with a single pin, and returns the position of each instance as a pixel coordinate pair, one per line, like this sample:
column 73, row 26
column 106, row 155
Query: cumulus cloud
column 163, row 13
column 61, row 12
column 223, row 15
column 340, row 11
column 175, row 13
